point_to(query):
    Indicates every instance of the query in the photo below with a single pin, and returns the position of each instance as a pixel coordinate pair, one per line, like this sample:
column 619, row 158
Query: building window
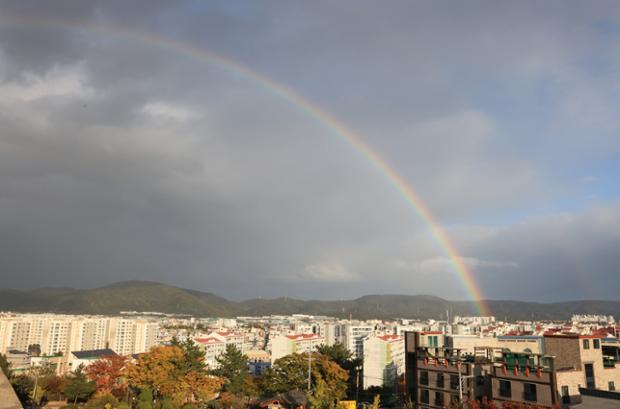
column 454, row 381
column 529, row 392
column 439, row 399
column 596, row 343
column 565, row 394
column 586, row 344
column 440, row 379
column 611, row 385
column 423, row 378
column 505, row 389
column 424, row 396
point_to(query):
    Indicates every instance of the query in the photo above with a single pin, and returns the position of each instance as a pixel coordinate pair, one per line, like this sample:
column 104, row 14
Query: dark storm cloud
column 121, row 159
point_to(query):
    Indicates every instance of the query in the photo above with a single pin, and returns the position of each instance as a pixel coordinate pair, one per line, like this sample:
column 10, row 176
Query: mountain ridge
column 153, row 296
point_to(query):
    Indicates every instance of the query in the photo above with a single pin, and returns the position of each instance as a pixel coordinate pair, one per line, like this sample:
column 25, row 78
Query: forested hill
column 152, row 296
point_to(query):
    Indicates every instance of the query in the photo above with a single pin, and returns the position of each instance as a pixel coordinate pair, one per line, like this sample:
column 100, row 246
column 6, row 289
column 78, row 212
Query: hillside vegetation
column 152, row 296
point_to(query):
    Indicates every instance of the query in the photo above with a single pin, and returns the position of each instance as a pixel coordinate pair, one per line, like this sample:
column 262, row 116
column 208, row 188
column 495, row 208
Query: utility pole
column 309, row 371
column 357, row 383
column 461, row 379
column 34, row 390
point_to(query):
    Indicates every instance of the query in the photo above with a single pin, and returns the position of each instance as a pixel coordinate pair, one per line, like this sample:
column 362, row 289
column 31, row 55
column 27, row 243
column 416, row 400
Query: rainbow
column 283, row 91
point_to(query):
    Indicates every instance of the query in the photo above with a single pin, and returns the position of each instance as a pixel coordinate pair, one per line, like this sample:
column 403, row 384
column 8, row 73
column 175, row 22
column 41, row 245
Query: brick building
column 584, row 362
column 437, row 375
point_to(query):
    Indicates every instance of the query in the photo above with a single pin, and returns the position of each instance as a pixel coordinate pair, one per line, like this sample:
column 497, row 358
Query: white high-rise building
column 353, row 338
column 384, row 360
column 90, row 334
column 65, row 333
column 145, row 336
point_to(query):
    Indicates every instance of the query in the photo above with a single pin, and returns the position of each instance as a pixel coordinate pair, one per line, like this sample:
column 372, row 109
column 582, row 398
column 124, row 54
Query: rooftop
column 93, row 353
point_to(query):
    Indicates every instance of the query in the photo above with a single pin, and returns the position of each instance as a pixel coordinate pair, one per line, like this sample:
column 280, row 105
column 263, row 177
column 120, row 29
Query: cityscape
column 236, row 204
column 437, row 362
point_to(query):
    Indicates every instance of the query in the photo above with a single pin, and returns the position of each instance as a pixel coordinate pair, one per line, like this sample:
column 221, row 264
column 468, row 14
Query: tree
column 53, row 386
column 78, row 387
column 5, row 366
column 166, row 371
column 166, row 404
column 39, row 374
column 34, row 349
column 320, row 397
column 328, row 379
column 194, row 355
column 376, row 402
column 339, row 354
column 102, row 401
column 23, row 386
column 231, row 401
column 145, row 399
column 287, row 373
column 233, row 368
column 109, row 373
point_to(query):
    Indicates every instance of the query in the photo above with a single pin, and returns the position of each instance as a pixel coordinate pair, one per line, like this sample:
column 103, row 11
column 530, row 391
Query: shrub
column 100, row 401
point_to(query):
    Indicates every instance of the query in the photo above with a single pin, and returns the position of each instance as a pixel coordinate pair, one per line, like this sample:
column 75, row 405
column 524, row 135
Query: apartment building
column 331, row 332
column 90, row 333
column 60, row 334
column 287, row 344
column 145, row 335
column 584, row 363
column 214, row 344
column 14, row 334
column 437, row 376
column 353, row 335
column 212, row 347
column 384, row 360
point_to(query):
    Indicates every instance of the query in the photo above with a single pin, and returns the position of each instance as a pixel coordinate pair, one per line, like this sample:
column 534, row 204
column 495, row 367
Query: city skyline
column 158, row 142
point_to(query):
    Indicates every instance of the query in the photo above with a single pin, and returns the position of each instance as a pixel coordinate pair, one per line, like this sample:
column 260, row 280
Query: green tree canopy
column 166, row 372
column 78, row 387
column 233, row 368
column 328, row 379
column 194, row 355
column 5, row 366
column 337, row 353
column 343, row 357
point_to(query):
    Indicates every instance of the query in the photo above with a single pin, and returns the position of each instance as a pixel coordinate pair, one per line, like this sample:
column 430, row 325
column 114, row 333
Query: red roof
column 209, row 340
column 302, row 337
column 390, row 337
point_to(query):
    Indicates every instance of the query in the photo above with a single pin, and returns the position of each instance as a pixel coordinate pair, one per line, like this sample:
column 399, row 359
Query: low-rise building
column 287, row 344
column 85, row 358
column 584, row 362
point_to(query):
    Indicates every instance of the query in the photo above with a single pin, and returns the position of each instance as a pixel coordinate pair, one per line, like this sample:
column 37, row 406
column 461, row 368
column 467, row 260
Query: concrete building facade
column 384, row 360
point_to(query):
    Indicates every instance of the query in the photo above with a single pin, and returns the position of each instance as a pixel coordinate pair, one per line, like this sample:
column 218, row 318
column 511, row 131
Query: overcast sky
column 123, row 159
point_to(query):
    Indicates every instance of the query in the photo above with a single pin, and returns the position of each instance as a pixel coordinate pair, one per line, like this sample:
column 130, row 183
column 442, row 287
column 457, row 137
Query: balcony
column 533, row 374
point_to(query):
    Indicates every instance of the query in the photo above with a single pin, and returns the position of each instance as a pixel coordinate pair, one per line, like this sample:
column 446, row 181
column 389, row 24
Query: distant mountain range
column 152, row 296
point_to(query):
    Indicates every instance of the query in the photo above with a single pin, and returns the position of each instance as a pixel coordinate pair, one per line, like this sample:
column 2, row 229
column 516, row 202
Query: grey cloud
column 136, row 161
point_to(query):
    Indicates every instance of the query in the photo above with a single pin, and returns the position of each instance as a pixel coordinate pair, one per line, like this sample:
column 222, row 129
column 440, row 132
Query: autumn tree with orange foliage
column 164, row 371
column 109, row 374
